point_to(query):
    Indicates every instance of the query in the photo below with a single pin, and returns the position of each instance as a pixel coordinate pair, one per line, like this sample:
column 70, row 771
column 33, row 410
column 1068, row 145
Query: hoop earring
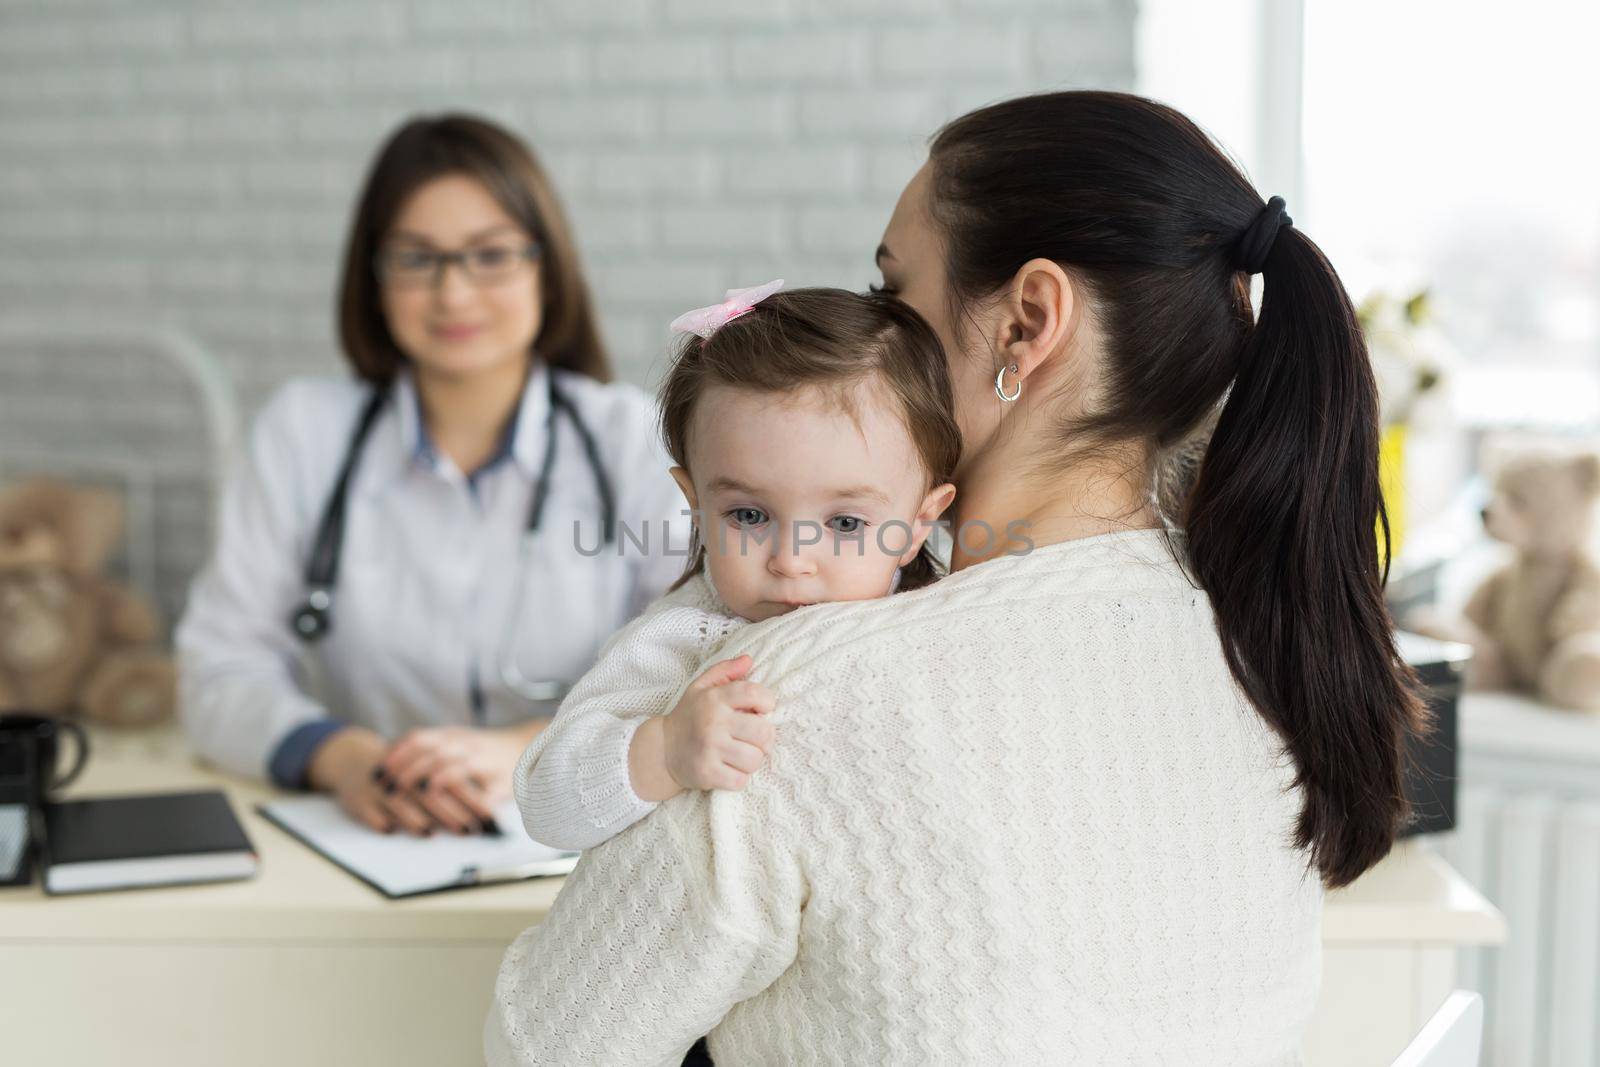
column 999, row 384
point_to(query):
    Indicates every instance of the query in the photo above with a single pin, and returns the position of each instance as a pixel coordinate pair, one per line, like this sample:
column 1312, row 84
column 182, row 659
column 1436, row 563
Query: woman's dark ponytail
column 1163, row 230
column 1281, row 534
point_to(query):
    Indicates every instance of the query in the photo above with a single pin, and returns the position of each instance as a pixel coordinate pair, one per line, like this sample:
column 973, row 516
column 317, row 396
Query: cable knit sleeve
column 572, row 784
column 656, row 935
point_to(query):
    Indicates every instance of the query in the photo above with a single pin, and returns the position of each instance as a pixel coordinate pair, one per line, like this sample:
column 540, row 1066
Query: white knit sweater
column 572, row 784
column 1021, row 816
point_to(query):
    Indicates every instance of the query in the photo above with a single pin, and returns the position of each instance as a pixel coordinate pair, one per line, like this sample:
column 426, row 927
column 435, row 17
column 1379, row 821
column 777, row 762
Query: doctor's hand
column 458, row 774
column 345, row 765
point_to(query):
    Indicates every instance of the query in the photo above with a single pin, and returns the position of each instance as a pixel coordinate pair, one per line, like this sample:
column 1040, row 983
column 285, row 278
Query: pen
column 475, row 875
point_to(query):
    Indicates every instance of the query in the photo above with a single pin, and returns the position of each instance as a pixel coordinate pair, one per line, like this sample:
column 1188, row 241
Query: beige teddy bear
column 70, row 640
column 1534, row 625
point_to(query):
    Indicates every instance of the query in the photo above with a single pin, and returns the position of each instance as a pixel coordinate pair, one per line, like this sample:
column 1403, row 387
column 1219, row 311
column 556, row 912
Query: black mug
column 29, row 749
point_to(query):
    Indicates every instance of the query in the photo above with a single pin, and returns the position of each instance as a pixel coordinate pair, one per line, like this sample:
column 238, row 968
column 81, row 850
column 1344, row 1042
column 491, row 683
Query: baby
column 814, row 440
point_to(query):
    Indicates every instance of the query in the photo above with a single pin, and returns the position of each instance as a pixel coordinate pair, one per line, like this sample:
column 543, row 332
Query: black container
column 29, row 756
column 1431, row 778
column 30, row 768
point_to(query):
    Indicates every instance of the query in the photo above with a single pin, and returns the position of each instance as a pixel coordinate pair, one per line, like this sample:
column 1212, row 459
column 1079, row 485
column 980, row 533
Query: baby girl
column 814, row 442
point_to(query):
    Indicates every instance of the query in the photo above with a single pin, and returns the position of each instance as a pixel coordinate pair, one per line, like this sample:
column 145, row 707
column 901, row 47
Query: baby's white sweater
column 572, row 784
column 1023, row 815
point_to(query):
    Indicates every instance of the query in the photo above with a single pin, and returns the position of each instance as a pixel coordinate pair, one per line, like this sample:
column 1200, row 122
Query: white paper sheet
column 402, row 865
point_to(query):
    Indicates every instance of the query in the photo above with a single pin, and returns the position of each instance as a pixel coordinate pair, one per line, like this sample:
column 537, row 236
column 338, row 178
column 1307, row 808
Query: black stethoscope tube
column 313, row 618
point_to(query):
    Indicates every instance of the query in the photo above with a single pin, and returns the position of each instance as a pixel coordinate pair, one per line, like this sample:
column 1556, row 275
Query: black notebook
column 139, row 841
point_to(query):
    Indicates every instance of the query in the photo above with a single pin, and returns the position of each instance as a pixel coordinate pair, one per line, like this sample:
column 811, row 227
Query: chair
column 131, row 406
column 1452, row 1038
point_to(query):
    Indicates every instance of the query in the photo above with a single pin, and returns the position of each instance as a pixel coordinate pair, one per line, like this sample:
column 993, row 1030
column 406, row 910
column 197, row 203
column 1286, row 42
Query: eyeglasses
column 416, row 268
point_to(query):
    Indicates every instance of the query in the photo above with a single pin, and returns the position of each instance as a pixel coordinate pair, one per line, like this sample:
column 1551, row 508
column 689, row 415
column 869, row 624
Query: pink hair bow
column 703, row 322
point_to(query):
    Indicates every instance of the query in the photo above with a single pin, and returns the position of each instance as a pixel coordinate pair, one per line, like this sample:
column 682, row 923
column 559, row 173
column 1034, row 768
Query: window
column 1455, row 147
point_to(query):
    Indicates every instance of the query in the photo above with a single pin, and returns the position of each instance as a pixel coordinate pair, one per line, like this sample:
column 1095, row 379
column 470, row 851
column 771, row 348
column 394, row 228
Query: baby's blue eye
column 747, row 516
column 846, row 524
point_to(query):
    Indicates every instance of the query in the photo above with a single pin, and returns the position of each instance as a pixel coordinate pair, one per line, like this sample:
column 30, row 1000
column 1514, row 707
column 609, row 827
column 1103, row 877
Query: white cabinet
column 1391, row 944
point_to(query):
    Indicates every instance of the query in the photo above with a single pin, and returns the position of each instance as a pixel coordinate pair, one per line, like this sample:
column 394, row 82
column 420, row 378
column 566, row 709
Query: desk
column 302, row 965
column 307, row 965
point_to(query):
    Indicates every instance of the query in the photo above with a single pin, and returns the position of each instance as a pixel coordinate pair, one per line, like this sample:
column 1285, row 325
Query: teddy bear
column 1534, row 625
column 72, row 641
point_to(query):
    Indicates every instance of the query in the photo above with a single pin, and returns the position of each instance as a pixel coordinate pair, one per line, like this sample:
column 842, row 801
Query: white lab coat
column 428, row 571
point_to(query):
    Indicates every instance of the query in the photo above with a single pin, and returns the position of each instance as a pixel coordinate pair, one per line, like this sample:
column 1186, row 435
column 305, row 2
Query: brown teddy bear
column 71, row 640
column 1535, row 624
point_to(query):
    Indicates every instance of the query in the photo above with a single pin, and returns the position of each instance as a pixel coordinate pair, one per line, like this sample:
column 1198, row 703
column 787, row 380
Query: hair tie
column 1255, row 244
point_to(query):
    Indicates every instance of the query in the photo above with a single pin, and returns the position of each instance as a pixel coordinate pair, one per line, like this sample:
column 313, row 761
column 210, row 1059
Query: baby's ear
column 933, row 505
column 681, row 476
column 939, row 498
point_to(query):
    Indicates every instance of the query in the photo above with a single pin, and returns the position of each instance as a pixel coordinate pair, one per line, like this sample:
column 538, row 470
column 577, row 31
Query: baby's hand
column 717, row 735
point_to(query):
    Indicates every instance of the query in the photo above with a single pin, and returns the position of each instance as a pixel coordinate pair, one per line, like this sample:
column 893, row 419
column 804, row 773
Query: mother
column 1076, row 803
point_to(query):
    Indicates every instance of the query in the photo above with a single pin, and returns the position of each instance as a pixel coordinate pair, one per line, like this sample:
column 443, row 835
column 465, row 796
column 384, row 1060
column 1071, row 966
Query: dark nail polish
column 377, row 774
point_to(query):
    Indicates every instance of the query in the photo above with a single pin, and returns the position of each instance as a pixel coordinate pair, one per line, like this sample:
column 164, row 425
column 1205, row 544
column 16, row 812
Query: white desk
column 306, row 965
column 303, row 965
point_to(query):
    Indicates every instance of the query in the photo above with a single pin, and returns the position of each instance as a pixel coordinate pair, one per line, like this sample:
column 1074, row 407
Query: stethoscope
column 313, row 619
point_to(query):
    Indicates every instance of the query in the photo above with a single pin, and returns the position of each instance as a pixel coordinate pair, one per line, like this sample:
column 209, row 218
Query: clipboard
column 399, row 865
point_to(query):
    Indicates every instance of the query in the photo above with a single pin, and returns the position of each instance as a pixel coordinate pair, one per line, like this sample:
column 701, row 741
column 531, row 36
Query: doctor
column 412, row 566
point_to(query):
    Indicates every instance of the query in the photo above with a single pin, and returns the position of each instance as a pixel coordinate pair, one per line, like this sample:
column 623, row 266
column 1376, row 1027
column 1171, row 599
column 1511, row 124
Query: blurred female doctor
column 412, row 566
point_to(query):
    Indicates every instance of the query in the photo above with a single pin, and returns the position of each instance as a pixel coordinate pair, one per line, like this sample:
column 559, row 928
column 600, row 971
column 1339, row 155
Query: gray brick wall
column 194, row 164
